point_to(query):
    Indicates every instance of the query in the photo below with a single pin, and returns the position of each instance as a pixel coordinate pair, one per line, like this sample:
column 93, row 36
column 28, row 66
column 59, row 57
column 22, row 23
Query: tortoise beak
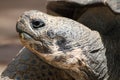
column 18, row 24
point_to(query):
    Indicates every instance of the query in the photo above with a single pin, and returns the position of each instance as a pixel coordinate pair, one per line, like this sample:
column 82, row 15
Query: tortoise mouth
column 25, row 36
column 33, row 44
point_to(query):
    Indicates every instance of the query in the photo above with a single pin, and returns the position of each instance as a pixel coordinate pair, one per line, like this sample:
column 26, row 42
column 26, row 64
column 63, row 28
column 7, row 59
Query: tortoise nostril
column 38, row 23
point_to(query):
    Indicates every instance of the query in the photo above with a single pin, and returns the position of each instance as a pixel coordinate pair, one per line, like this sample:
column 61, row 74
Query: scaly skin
column 63, row 45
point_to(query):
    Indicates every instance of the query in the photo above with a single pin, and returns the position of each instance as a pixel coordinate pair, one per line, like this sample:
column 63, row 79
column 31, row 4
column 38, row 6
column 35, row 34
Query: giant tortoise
column 79, row 40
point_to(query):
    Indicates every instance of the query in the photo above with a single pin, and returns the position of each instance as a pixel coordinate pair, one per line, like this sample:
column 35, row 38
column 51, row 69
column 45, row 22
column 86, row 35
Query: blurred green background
column 10, row 10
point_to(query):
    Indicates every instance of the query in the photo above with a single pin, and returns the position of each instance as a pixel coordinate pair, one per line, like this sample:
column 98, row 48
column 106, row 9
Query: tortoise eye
column 37, row 23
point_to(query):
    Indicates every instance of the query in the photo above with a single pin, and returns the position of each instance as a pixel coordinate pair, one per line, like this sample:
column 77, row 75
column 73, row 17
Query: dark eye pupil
column 38, row 23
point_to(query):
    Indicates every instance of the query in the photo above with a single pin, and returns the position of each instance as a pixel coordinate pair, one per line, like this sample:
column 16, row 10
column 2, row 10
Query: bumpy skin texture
column 98, row 17
column 62, row 43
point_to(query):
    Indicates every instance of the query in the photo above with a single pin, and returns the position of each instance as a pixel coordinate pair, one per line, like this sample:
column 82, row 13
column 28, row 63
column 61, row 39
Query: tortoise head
column 54, row 39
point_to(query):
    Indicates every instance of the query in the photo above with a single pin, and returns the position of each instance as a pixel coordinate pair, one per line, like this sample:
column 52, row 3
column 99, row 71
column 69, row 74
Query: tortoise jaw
column 25, row 36
column 33, row 44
